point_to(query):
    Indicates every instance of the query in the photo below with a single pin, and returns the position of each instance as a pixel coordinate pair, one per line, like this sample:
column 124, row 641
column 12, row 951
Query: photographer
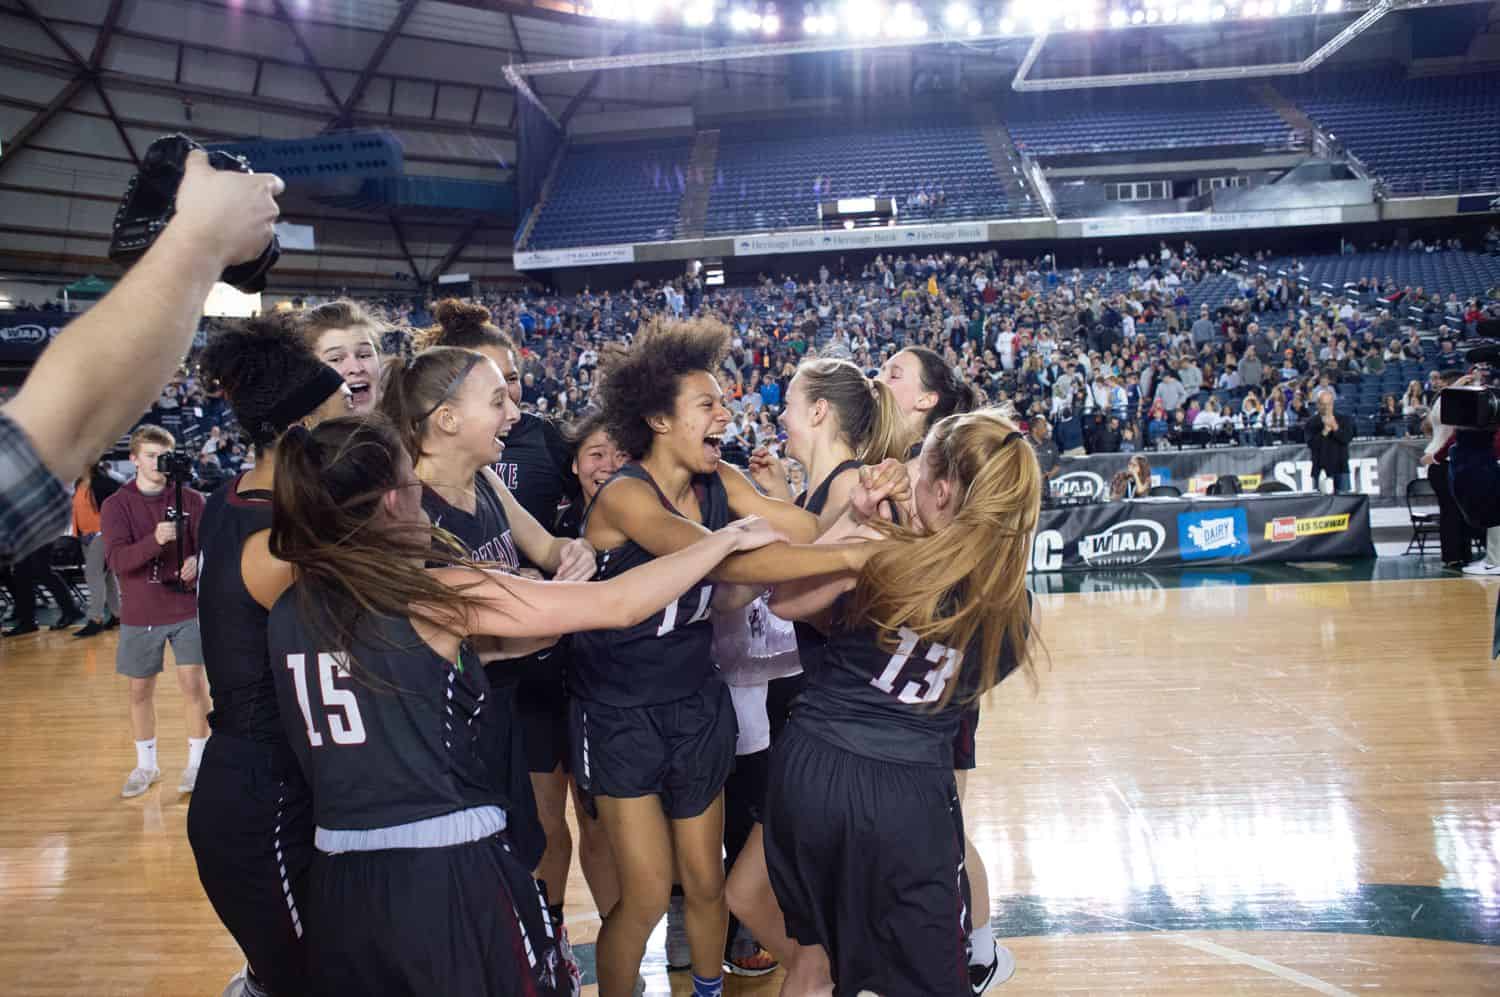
column 158, row 599
column 75, row 403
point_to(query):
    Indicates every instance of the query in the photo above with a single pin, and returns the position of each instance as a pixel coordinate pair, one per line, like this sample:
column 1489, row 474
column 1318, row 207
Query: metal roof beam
column 39, row 120
column 373, row 63
column 312, row 61
column 459, row 245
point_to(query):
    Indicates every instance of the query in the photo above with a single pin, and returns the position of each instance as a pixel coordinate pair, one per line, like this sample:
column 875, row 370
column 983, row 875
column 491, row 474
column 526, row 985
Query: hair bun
column 458, row 316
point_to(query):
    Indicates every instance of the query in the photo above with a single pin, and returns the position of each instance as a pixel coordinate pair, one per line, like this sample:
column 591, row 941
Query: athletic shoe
column 189, row 779
column 751, row 960
column 1482, row 568
column 92, row 628
column 679, row 952
column 981, row 978
column 21, row 630
column 67, row 621
column 237, row 984
column 113, row 624
column 139, row 781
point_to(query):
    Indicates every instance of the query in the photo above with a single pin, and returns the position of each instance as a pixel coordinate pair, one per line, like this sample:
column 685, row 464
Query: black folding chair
column 1423, row 524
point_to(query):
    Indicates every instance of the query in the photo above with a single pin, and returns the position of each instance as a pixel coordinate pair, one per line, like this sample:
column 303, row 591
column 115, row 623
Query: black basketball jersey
column 235, row 656
column 392, row 735
column 670, row 655
column 485, row 533
column 536, row 466
column 880, row 703
column 810, row 639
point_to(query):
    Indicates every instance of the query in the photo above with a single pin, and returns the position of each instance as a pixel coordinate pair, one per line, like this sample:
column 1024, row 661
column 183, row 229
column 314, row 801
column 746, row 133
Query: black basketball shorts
column 867, row 860
column 541, row 703
column 250, row 825
column 964, row 745
column 466, row 919
column 681, row 751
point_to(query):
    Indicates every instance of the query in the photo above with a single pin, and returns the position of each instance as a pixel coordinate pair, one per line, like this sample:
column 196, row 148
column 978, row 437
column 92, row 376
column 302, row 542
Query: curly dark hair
column 642, row 380
column 257, row 364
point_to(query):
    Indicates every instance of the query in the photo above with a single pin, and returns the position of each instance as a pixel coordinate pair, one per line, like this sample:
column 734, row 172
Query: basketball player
column 835, row 420
column 534, row 467
column 929, row 390
column 347, row 338
column 415, row 887
column 864, row 828
column 653, row 733
column 250, row 822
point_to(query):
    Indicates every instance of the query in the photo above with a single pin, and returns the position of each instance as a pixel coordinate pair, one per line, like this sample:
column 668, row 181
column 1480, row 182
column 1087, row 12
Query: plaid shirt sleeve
column 34, row 503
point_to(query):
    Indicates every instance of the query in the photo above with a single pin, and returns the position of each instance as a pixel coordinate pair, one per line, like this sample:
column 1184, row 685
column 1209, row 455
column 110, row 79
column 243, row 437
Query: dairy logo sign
column 1203, row 535
column 1132, row 542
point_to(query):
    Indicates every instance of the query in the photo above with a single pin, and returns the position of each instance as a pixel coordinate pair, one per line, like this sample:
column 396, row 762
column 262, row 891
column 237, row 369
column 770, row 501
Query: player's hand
column 577, row 563
column 752, row 533
column 877, row 488
column 189, row 571
column 769, row 472
column 166, row 532
column 226, row 216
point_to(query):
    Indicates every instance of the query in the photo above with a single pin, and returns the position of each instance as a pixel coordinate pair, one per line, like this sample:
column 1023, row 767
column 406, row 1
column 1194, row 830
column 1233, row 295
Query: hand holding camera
column 166, row 532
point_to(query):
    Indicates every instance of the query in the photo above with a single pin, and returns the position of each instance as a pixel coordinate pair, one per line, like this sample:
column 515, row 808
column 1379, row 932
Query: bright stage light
column 1219, row 12
column 1284, row 7
column 741, row 19
column 1117, row 18
column 1333, row 6
column 614, row 10
column 770, row 23
column 1169, row 14
column 956, row 15
column 698, row 14
column 1152, row 17
column 1137, row 16
column 973, row 27
column 645, row 11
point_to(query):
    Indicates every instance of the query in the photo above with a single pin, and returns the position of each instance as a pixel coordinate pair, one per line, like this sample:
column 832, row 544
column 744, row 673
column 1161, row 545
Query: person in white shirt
column 1005, row 347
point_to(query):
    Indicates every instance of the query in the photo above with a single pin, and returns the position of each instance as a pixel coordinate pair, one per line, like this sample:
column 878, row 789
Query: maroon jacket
column 147, row 571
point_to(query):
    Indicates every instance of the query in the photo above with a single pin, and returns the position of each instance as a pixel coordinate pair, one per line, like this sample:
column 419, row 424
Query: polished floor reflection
column 1217, row 789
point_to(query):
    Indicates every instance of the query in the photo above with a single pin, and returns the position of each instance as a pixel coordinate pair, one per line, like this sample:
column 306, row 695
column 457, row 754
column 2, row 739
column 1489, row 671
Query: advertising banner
column 859, row 238
column 24, row 334
column 1380, row 469
column 578, row 256
column 1164, row 533
column 1207, row 221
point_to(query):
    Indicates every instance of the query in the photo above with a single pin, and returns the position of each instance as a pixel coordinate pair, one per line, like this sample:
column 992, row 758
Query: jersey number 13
column 927, row 689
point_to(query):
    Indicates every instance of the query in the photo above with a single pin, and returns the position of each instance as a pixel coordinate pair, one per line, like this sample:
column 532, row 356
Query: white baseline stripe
column 1256, row 962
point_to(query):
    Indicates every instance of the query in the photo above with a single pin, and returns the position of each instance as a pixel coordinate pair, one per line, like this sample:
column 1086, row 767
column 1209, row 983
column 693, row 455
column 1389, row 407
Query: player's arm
column 569, row 560
column 809, row 599
column 745, row 499
column 632, row 509
column 511, row 606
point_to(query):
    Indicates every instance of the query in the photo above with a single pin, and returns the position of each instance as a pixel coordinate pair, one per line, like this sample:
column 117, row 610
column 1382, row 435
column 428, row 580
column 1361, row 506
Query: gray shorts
column 140, row 652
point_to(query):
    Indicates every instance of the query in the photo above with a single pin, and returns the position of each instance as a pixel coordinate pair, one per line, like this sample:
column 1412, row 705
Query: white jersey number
column 669, row 617
column 930, row 688
column 340, row 707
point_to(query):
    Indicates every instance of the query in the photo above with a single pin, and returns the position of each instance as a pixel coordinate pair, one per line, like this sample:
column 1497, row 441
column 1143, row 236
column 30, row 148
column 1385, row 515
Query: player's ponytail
column 869, row 418
column 966, row 582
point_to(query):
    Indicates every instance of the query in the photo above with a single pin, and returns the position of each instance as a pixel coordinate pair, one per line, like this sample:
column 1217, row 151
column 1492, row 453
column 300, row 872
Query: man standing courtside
column 157, row 604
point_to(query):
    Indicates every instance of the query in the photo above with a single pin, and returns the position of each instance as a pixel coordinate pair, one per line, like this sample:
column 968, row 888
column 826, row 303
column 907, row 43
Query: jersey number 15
column 340, row 708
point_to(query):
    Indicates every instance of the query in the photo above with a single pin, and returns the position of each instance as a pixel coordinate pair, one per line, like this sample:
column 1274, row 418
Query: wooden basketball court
column 1270, row 789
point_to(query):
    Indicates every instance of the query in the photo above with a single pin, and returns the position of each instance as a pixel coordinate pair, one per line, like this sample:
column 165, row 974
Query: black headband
column 1016, row 435
column 472, row 361
column 302, row 401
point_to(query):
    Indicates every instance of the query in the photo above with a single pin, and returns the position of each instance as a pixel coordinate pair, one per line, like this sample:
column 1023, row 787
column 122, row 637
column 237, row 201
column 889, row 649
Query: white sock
column 145, row 754
column 982, row 945
column 195, row 751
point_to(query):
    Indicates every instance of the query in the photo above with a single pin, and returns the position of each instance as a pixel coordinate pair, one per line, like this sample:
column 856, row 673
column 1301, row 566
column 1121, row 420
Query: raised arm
column 809, row 598
column 799, row 525
column 75, row 404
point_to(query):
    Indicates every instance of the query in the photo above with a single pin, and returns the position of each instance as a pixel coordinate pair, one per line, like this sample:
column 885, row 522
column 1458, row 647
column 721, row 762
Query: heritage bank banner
column 1167, row 533
column 1380, row 469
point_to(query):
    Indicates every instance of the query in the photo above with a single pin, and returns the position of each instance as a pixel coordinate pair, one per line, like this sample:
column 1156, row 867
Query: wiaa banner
column 1380, row 469
column 1168, row 533
column 23, row 335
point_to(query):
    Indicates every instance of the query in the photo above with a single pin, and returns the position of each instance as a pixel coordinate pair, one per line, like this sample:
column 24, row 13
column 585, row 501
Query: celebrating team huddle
column 428, row 620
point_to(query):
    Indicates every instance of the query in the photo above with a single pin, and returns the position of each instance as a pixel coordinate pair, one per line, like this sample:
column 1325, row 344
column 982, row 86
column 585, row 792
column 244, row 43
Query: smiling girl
column 347, row 338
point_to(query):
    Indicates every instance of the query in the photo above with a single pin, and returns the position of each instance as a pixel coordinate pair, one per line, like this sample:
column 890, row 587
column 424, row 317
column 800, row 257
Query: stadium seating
column 772, row 177
column 1432, row 135
column 614, row 193
column 1138, row 119
column 1449, row 272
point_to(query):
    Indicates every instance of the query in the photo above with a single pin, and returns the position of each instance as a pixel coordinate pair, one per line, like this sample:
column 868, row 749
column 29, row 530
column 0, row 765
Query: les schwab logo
column 1285, row 529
